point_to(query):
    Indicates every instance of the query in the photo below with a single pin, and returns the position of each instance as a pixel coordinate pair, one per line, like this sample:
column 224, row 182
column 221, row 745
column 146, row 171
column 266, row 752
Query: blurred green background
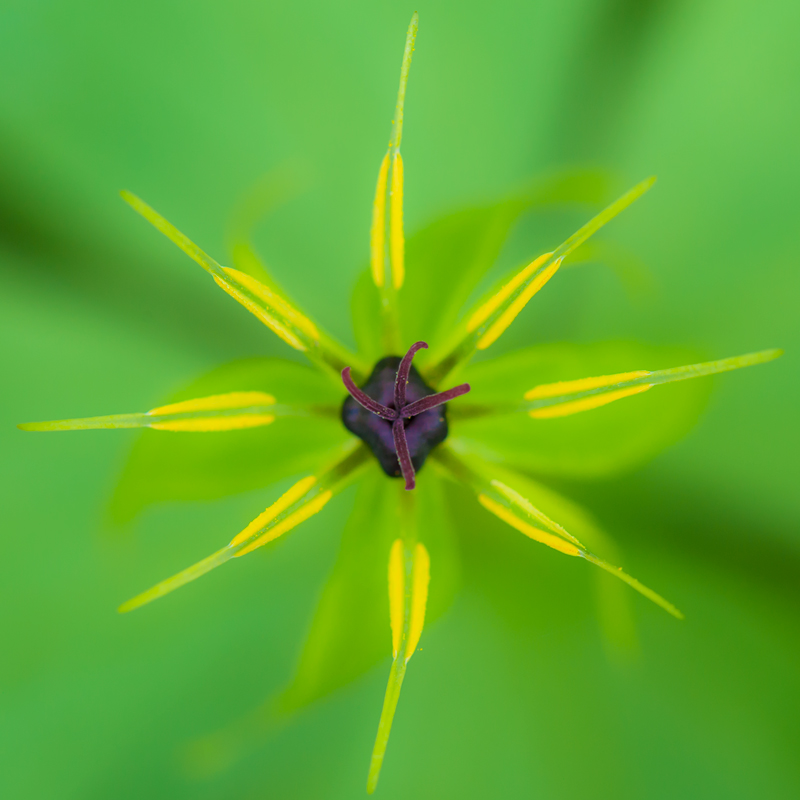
column 514, row 694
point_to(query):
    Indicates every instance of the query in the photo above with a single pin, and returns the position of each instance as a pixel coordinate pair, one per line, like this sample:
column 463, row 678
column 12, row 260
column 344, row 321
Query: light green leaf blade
column 168, row 467
column 599, row 443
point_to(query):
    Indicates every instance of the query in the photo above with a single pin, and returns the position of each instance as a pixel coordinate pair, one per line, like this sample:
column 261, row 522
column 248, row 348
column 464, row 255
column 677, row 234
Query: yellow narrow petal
column 377, row 239
column 495, row 301
column 581, row 385
column 275, row 312
column 510, row 314
column 215, row 424
column 397, row 592
column 270, row 321
column 289, row 497
column 420, row 577
column 537, row 535
column 176, row 581
column 397, row 242
column 293, row 520
column 587, row 403
column 634, row 584
column 518, row 500
column 217, row 402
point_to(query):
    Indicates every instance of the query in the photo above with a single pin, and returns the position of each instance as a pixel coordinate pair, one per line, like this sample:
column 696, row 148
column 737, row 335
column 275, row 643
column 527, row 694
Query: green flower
column 524, row 415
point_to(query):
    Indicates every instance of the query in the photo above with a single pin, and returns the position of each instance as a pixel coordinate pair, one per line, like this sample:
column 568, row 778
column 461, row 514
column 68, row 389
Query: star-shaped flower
column 398, row 415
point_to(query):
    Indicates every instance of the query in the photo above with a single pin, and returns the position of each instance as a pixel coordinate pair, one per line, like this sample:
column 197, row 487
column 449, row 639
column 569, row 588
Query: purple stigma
column 399, row 413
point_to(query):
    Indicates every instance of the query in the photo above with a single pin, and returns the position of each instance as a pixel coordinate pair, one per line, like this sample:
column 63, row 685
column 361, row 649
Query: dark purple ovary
column 423, row 431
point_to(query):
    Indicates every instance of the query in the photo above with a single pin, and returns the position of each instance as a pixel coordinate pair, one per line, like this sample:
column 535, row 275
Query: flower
column 477, row 453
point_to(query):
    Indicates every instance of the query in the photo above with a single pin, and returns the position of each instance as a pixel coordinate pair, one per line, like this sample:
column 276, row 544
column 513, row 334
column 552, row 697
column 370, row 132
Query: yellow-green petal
column 564, row 398
column 492, row 316
column 304, row 499
column 221, row 412
column 477, row 475
column 263, row 301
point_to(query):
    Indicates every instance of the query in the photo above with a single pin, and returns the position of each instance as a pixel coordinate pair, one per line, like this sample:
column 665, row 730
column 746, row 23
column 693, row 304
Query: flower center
column 397, row 414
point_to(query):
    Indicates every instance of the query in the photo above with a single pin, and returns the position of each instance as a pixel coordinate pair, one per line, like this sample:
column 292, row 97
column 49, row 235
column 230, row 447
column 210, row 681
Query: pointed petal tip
column 130, row 605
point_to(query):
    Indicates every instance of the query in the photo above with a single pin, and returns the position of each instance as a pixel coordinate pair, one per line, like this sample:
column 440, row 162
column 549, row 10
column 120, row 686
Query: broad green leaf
column 167, row 466
column 596, row 443
column 350, row 632
column 446, row 259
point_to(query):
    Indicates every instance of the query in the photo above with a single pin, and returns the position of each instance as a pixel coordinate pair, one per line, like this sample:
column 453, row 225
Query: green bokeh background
column 514, row 694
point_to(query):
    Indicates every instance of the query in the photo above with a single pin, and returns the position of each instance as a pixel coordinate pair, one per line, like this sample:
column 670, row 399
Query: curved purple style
column 410, row 439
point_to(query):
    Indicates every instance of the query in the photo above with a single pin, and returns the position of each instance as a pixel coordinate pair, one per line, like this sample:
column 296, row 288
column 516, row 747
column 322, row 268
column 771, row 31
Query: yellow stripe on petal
column 494, row 302
column 499, row 312
column 522, row 502
column 537, row 535
column 213, row 413
column 499, row 327
column 581, row 385
column 587, row 403
column 420, row 577
column 292, row 521
column 279, row 506
column 397, row 592
column 216, row 424
column 199, row 422
column 216, row 402
column 275, row 312
column 397, row 242
column 571, row 397
column 377, row 238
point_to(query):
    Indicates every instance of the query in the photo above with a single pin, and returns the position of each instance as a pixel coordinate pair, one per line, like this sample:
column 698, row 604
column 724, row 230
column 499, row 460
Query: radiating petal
column 295, row 328
column 377, row 240
column 446, row 259
column 348, row 634
column 476, row 474
column 409, row 575
column 571, row 397
column 307, row 497
column 611, row 439
column 220, row 412
column 182, row 467
column 390, row 181
column 493, row 315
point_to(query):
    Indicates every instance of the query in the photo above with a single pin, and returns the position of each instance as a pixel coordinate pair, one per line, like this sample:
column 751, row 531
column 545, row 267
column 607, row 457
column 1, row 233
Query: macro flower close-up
column 443, row 440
